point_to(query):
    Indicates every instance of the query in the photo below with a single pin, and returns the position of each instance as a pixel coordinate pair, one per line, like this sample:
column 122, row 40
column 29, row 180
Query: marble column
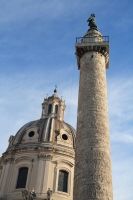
column 93, row 179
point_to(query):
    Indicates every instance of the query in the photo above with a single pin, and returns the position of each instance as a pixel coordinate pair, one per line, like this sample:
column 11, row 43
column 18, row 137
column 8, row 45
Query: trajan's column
column 93, row 178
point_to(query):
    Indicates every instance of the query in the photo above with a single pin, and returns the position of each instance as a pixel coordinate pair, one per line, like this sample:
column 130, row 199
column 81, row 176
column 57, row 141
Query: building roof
column 43, row 128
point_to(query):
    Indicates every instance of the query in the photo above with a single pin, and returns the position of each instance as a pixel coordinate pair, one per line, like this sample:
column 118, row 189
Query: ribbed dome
column 38, row 132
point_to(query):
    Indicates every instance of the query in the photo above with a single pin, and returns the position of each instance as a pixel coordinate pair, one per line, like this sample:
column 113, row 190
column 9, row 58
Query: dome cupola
column 53, row 106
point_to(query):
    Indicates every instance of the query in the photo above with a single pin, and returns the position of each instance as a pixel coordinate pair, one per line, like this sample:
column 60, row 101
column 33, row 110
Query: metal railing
column 81, row 40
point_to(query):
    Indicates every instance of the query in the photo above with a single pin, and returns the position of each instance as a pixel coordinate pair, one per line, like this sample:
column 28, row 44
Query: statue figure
column 11, row 139
column 92, row 21
column 28, row 195
column 49, row 193
column 25, row 194
column 32, row 195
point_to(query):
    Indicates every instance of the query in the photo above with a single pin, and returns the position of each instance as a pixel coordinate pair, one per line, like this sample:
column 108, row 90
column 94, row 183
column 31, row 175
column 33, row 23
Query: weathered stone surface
column 93, row 179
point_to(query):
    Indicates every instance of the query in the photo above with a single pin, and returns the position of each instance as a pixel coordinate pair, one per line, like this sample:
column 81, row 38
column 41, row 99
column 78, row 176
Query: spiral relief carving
column 93, row 179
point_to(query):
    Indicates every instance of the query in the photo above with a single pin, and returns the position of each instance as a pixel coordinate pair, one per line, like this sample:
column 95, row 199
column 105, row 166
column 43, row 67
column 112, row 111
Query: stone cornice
column 47, row 150
column 65, row 152
column 45, row 157
column 24, row 158
column 80, row 51
column 9, row 160
column 30, row 148
column 65, row 161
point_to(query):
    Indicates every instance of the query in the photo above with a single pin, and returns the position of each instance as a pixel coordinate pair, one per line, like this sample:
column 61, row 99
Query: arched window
column 56, row 110
column 22, row 177
column 49, row 109
column 62, row 181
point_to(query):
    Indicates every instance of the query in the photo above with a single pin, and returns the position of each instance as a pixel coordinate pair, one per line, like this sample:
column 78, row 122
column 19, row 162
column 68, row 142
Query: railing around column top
column 81, row 40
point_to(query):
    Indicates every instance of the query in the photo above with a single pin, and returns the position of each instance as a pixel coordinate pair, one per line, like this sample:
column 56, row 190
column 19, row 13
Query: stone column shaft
column 93, row 179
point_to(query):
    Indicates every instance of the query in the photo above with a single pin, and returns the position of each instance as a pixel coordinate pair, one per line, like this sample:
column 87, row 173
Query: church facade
column 39, row 161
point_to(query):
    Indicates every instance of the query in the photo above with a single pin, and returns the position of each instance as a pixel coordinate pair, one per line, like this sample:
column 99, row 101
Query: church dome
column 40, row 157
column 49, row 130
column 43, row 132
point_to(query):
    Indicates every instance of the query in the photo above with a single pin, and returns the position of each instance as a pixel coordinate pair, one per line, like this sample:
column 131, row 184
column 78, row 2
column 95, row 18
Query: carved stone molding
column 9, row 160
column 45, row 157
column 93, row 176
column 93, row 133
column 93, row 153
column 88, row 164
column 65, row 152
column 65, row 161
column 95, row 49
column 93, row 191
column 24, row 158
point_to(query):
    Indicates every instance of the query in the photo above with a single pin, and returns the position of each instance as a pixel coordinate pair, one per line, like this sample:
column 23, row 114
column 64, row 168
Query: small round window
column 31, row 133
column 65, row 137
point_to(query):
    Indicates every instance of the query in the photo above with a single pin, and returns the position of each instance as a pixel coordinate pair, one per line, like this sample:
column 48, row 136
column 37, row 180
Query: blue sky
column 37, row 51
